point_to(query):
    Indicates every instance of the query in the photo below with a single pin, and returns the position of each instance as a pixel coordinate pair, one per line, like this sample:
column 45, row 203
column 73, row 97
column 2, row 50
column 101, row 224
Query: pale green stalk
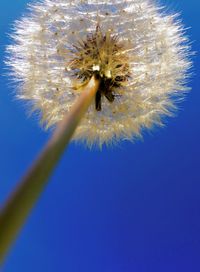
column 14, row 213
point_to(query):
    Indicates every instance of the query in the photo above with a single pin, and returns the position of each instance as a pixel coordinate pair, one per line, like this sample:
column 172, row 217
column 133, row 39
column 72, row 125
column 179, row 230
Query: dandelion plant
column 131, row 57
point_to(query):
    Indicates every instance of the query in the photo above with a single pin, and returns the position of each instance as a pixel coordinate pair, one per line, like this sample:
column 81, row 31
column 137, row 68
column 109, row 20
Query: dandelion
column 127, row 57
column 138, row 53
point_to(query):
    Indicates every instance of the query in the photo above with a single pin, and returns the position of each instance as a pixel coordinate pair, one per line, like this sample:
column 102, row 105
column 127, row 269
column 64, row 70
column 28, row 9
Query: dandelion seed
column 139, row 54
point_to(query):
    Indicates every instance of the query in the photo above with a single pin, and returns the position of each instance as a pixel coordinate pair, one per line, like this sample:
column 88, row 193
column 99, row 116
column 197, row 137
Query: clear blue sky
column 133, row 208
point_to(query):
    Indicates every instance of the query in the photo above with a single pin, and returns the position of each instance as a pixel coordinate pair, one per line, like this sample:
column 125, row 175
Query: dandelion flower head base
column 139, row 53
column 101, row 55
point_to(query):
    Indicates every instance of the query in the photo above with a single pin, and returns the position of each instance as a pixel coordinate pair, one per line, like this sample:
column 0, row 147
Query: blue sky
column 135, row 207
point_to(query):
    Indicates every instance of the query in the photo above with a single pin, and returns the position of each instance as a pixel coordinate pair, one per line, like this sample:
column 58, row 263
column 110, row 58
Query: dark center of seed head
column 101, row 55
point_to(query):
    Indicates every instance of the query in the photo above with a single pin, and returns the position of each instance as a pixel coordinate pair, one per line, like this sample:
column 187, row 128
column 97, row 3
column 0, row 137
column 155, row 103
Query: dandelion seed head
column 139, row 53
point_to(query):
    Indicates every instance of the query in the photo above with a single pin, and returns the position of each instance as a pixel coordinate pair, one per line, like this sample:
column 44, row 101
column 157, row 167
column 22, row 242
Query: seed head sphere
column 139, row 54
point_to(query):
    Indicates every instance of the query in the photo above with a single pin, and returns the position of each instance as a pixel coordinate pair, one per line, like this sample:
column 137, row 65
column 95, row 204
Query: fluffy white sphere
column 151, row 62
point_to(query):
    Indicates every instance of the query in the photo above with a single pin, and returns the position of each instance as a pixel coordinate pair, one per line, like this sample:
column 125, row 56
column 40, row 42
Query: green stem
column 14, row 213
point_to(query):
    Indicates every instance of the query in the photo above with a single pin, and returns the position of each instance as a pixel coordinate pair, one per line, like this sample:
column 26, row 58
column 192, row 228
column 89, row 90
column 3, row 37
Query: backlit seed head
column 139, row 54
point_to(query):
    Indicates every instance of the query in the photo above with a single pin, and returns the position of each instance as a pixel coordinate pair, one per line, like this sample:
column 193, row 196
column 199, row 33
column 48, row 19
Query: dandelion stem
column 14, row 213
